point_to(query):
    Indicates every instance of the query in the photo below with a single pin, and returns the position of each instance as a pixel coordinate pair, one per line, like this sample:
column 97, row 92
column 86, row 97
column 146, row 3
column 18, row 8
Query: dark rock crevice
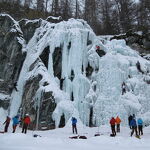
column 4, row 103
column 45, row 56
column 57, row 62
column 89, row 70
column 62, row 121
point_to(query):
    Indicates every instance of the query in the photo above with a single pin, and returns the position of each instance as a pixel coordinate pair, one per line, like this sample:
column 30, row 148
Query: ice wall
column 92, row 97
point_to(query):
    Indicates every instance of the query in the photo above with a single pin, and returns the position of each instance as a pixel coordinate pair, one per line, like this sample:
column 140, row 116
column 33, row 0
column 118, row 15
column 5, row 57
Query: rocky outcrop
column 4, row 101
column 28, row 28
column 11, row 54
column 41, row 109
column 54, row 19
column 36, row 101
column 45, row 56
column 137, row 40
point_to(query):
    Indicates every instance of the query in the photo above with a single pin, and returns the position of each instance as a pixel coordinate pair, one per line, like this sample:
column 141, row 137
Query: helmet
column 27, row 114
column 97, row 46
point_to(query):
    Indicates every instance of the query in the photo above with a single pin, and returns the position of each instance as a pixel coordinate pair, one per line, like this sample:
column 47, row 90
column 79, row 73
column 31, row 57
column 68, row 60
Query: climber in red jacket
column 112, row 123
column 26, row 122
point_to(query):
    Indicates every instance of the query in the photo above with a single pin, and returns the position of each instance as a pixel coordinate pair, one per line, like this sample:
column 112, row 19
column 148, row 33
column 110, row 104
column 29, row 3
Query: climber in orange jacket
column 118, row 121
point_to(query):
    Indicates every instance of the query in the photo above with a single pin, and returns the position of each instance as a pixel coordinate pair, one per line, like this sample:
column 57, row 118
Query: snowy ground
column 58, row 139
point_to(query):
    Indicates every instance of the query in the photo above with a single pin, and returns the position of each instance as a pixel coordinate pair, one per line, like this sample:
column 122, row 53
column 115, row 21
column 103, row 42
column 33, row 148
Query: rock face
column 40, row 111
column 28, row 28
column 11, row 54
column 4, row 101
column 40, row 104
column 13, row 37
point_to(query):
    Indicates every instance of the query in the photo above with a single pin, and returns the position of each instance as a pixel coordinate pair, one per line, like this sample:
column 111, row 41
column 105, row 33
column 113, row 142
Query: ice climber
column 140, row 126
column 118, row 121
column 129, row 120
column 74, row 126
column 133, row 124
column 123, row 88
column 112, row 123
column 26, row 122
column 99, row 51
column 15, row 123
column 7, row 122
column 15, row 86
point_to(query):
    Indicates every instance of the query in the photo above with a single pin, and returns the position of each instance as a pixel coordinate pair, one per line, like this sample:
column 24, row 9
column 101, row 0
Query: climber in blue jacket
column 140, row 126
column 15, row 123
column 74, row 127
column 134, row 126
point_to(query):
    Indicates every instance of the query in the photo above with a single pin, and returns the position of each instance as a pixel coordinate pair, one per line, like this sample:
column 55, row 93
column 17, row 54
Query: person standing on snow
column 26, row 122
column 134, row 126
column 7, row 122
column 74, row 127
column 140, row 126
column 118, row 121
column 112, row 123
column 15, row 123
column 129, row 120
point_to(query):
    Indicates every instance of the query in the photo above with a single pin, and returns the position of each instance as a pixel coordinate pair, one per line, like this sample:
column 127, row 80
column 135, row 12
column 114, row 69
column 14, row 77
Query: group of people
column 25, row 121
column 135, row 126
column 115, row 123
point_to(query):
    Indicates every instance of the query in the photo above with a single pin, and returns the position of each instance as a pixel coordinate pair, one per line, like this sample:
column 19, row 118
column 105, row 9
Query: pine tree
column 55, row 8
column 143, row 15
column 125, row 10
column 90, row 14
column 65, row 9
column 106, row 19
column 40, row 5
column 27, row 3
column 77, row 10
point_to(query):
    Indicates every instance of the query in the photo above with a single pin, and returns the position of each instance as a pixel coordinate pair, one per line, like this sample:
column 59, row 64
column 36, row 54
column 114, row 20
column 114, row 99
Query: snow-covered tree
column 40, row 5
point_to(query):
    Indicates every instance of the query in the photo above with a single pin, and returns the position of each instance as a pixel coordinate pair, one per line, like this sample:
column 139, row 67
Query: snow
column 4, row 96
column 3, row 116
column 59, row 139
column 136, row 1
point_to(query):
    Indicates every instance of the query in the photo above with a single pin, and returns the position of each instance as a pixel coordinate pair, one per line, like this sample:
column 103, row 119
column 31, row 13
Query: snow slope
column 59, row 139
